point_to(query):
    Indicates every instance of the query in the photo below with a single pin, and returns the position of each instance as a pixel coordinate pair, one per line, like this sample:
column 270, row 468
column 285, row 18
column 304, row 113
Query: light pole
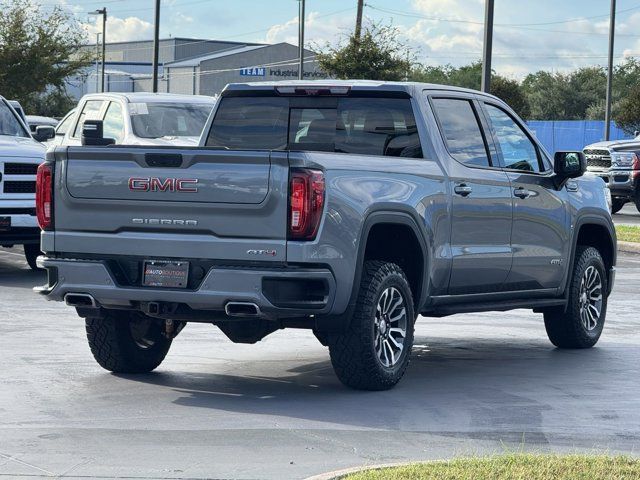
column 102, row 11
column 607, row 110
column 488, row 45
column 156, row 47
column 301, row 38
column 97, row 62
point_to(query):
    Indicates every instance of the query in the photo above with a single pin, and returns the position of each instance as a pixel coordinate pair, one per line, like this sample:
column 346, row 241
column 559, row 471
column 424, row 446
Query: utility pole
column 358, row 29
column 97, row 62
column 488, row 45
column 156, row 47
column 612, row 33
column 301, row 38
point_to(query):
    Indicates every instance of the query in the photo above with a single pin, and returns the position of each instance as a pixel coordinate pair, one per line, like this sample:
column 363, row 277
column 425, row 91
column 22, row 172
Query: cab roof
column 146, row 97
column 358, row 85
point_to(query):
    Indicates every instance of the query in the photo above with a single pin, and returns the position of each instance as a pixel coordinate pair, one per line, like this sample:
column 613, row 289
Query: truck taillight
column 306, row 202
column 44, row 196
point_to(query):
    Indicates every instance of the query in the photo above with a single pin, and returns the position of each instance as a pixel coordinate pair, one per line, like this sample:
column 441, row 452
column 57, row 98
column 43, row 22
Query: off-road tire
column 565, row 327
column 353, row 352
column 31, row 253
column 114, row 347
column 617, row 204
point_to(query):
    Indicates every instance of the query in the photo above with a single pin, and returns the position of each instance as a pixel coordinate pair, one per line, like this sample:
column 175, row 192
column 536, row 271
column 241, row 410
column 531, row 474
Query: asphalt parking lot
column 628, row 215
column 479, row 383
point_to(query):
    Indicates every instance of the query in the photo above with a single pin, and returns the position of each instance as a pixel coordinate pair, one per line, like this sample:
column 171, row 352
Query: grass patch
column 628, row 234
column 514, row 467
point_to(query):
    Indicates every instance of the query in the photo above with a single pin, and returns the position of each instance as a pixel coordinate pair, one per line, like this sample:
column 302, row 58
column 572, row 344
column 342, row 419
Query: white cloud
column 319, row 29
column 120, row 29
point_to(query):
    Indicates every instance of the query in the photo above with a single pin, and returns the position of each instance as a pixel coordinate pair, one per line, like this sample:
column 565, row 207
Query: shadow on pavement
column 487, row 388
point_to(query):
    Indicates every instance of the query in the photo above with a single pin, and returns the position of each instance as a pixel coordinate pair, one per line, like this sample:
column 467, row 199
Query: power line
column 475, row 22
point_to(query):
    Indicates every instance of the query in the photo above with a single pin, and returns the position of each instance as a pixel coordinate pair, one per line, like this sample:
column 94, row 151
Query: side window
column 518, row 151
column 90, row 111
column 114, row 122
column 461, row 131
column 64, row 126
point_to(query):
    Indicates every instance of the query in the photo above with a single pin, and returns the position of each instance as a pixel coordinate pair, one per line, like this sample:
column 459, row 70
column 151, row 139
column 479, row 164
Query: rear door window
column 90, row 111
column 366, row 126
column 461, row 131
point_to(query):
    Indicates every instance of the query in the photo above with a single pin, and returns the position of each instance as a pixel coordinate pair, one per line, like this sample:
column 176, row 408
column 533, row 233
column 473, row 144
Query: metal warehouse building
column 193, row 66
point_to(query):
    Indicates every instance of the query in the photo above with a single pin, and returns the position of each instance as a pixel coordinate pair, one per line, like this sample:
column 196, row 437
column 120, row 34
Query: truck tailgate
column 171, row 202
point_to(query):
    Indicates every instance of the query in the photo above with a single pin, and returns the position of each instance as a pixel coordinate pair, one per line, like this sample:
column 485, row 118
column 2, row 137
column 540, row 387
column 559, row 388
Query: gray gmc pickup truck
column 348, row 209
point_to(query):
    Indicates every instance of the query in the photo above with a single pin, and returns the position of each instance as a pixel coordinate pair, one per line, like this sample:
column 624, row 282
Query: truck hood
column 170, row 141
column 20, row 147
column 615, row 144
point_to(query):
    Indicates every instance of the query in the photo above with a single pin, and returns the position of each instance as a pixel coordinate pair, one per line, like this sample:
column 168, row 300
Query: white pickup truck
column 20, row 156
column 140, row 118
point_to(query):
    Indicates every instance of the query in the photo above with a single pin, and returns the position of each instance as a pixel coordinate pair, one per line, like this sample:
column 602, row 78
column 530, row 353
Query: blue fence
column 572, row 134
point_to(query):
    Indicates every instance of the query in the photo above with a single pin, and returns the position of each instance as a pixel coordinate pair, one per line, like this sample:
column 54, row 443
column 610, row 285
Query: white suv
column 20, row 156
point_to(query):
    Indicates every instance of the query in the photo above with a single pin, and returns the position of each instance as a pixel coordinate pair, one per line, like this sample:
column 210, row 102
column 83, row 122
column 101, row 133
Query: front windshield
column 9, row 124
column 156, row 120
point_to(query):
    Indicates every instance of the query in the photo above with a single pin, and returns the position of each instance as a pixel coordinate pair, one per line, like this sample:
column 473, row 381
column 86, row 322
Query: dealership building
column 192, row 66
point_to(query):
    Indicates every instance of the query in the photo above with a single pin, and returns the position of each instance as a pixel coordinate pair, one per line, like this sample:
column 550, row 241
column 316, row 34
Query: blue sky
column 529, row 35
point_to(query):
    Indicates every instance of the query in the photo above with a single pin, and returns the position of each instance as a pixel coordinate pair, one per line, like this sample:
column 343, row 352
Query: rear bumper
column 266, row 288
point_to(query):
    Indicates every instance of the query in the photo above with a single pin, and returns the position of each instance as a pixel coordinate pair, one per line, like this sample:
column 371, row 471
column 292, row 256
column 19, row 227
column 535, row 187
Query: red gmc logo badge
column 155, row 184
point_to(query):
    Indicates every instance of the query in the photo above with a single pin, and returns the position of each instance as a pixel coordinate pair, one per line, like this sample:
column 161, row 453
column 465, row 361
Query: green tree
column 547, row 95
column 470, row 76
column 466, row 76
column 377, row 55
column 627, row 115
column 512, row 93
column 38, row 51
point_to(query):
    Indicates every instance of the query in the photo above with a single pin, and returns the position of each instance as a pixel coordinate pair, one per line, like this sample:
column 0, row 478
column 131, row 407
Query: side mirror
column 92, row 134
column 636, row 133
column 44, row 133
column 568, row 165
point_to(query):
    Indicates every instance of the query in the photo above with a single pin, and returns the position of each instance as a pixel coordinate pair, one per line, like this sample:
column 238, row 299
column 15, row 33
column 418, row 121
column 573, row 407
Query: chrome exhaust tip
column 80, row 300
column 242, row 309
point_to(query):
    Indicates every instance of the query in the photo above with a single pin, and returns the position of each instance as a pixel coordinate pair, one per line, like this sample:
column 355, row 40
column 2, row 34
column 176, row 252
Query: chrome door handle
column 521, row 192
column 462, row 189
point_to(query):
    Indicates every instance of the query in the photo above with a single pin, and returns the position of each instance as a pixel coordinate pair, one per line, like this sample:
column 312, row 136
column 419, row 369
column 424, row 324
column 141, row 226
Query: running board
column 534, row 304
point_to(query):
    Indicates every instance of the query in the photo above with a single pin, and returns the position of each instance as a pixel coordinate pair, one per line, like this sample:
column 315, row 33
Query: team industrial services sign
column 253, row 72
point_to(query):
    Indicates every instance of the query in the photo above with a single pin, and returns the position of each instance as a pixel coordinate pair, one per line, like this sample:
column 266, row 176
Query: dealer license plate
column 167, row 274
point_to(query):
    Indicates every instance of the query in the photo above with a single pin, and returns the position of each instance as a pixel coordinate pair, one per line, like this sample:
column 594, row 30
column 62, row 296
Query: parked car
column 143, row 118
column 346, row 209
column 20, row 156
column 618, row 164
column 34, row 121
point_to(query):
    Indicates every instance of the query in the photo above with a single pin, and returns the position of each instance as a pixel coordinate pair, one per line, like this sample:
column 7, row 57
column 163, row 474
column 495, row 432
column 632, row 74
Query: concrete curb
column 337, row 474
column 629, row 247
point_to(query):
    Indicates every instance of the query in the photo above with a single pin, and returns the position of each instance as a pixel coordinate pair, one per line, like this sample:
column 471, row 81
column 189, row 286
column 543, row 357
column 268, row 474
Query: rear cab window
column 355, row 125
